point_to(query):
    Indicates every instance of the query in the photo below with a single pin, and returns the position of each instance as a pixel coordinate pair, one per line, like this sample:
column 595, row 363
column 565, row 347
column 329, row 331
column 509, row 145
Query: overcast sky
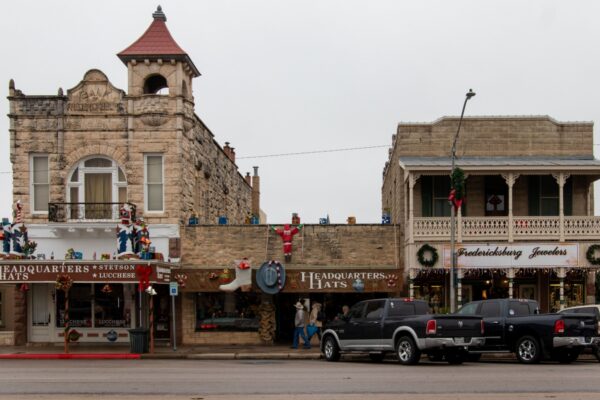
column 293, row 76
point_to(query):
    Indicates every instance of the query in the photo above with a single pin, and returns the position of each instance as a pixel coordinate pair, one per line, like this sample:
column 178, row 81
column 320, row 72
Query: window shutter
column 533, row 193
column 426, row 196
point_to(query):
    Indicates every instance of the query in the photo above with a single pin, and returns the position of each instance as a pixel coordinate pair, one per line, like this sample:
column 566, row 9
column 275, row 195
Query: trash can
column 138, row 340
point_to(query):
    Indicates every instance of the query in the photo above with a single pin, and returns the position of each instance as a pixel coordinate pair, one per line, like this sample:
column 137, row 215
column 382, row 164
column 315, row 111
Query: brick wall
column 315, row 245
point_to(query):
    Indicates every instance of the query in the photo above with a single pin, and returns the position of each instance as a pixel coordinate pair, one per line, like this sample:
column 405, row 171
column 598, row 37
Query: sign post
column 173, row 291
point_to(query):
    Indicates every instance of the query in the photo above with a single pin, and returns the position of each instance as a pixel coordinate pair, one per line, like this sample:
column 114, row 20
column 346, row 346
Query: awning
column 82, row 271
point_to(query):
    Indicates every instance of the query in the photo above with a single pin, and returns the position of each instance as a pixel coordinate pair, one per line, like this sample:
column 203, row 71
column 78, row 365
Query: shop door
column 162, row 313
column 40, row 311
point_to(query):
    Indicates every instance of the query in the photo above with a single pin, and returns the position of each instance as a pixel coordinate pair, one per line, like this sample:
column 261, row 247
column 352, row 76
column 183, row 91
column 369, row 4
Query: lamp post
column 470, row 94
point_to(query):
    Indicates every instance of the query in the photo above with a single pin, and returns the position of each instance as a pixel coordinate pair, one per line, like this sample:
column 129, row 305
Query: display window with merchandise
column 217, row 312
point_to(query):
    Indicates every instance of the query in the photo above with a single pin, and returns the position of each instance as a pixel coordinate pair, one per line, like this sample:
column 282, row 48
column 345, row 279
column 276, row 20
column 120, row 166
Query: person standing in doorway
column 299, row 327
column 317, row 317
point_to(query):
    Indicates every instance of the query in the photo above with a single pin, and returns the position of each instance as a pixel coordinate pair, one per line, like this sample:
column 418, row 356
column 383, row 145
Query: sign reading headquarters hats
column 270, row 277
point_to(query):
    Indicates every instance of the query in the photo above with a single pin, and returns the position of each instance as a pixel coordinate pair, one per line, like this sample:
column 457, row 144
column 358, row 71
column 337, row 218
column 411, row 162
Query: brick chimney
column 256, row 194
column 229, row 152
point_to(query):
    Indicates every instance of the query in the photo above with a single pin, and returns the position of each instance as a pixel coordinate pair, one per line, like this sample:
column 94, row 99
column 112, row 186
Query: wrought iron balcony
column 69, row 212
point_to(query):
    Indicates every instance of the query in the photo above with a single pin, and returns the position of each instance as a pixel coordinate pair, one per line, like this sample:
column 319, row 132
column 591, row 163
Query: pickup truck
column 514, row 325
column 593, row 309
column 403, row 327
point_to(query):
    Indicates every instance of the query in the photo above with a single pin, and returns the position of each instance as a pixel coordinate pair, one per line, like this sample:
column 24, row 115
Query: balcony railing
column 497, row 228
column 67, row 212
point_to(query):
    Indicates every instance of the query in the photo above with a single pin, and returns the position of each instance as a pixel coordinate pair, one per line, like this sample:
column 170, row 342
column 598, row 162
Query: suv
column 593, row 309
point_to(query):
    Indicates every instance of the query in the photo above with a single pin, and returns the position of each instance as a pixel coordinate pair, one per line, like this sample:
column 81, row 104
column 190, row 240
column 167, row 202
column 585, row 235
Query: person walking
column 299, row 327
column 317, row 317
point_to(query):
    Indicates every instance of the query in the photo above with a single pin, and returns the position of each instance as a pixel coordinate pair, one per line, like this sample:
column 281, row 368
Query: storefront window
column 96, row 306
column 227, row 312
column 573, row 292
column 433, row 294
column 80, row 306
column 110, row 307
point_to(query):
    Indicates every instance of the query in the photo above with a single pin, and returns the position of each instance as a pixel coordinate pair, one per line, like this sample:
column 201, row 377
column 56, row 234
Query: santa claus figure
column 287, row 235
column 125, row 232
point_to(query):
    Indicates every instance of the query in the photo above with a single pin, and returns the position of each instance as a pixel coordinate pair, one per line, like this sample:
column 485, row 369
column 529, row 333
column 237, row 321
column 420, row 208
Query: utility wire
column 312, row 152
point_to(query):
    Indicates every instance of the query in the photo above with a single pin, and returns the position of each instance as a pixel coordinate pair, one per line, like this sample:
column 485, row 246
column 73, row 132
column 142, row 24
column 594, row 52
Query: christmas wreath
column 590, row 255
column 429, row 262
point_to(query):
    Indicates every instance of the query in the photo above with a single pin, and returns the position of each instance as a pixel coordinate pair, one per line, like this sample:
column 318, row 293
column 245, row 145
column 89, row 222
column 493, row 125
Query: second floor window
column 40, row 183
column 154, row 182
column 543, row 193
column 434, row 196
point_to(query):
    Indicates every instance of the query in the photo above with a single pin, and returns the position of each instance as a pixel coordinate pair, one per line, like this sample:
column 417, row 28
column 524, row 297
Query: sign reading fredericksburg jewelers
column 535, row 255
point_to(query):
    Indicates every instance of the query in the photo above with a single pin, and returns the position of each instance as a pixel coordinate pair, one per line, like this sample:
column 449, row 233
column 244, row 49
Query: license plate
column 459, row 340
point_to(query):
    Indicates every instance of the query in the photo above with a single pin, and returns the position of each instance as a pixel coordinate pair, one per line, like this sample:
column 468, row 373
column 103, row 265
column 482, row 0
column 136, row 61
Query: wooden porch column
column 561, row 178
column 510, row 181
column 412, row 180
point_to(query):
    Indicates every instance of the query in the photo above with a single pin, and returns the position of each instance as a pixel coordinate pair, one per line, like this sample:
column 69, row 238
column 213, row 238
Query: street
column 297, row 379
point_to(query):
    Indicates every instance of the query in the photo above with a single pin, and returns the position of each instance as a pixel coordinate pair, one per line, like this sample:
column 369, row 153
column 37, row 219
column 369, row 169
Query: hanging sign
column 534, row 255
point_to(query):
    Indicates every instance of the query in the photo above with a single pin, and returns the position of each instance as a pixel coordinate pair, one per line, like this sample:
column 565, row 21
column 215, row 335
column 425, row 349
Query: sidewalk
column 161, row 351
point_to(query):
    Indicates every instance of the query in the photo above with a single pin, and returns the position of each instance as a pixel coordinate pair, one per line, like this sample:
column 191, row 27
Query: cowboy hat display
column 270, row 277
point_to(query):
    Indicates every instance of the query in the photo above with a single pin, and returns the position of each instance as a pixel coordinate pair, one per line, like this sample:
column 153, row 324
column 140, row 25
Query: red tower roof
column 155, row 43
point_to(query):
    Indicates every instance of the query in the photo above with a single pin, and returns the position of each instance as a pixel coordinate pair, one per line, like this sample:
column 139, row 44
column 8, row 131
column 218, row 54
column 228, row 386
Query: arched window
column 156, row 84
column 95, row 188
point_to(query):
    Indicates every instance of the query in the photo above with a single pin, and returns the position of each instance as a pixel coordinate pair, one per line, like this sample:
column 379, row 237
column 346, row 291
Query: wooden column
column 510, row 179
column 561, row 178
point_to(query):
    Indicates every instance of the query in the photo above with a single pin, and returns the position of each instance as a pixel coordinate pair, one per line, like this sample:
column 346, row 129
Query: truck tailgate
column 582, row 325
column 464, row 326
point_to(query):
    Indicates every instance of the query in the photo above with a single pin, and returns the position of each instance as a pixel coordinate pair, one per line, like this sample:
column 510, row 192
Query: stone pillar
column 412, row 180
column 267, row 322
column 459, row 277
column 561, row 276
column 20, row 316
column 590, row 287
column 511, row 281
column 561, row 178
column 510, row 181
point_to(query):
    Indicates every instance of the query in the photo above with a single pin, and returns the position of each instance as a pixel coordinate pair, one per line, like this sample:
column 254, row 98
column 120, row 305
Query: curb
column 62, row 356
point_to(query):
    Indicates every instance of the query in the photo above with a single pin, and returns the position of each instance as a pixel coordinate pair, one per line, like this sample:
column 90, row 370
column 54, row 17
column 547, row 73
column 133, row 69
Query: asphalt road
column 297, row 379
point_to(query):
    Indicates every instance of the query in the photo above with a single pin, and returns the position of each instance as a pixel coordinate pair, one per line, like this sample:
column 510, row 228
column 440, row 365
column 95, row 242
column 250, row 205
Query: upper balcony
column 506, row 199
column 86, row 212
column 502, row 229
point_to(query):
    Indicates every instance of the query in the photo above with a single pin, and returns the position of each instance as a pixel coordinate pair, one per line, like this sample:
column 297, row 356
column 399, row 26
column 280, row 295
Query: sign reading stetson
column 81, row 271
column 535, row 255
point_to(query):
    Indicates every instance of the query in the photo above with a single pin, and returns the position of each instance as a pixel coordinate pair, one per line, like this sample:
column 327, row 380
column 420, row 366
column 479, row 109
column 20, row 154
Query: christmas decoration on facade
column 457, row 183
column 590, row 254
column 270, row 277
column 243, row 277
column 427, row 255
column 287, row 235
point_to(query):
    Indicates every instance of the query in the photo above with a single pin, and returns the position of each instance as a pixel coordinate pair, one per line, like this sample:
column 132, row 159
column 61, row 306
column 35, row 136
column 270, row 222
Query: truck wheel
column 455, row 357
column 528, row 350
column 473, row 357
column 331, row 349
column 568, row 356
column 377, row 357
column 407, row 351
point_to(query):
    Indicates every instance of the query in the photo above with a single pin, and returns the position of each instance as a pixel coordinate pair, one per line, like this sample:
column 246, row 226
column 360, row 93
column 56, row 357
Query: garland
column 590, row 255
column 427, row 249
column 457, row 182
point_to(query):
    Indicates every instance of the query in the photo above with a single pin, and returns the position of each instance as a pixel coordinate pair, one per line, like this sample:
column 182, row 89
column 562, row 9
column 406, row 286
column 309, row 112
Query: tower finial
column 159, row 14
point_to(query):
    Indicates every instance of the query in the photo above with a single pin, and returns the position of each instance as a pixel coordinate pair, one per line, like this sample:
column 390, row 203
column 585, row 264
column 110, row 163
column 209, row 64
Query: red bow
column 456, row 202
column 143, row 273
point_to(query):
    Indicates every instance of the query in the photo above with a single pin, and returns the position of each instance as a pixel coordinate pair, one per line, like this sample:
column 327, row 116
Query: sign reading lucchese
column 535, row 255
column 16, row 272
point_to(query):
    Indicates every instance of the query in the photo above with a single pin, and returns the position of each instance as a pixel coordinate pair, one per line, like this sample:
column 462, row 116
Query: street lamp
column 470, row 94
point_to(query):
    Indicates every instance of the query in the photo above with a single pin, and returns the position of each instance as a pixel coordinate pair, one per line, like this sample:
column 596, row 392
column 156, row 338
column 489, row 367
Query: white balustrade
column 496, row 228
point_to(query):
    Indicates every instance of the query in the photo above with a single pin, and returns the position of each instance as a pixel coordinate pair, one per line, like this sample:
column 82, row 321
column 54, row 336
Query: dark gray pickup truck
column 404, row 327
column 513, row 325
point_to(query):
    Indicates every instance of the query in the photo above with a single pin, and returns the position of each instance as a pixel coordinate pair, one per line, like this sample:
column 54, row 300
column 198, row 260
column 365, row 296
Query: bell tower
column 156, row 64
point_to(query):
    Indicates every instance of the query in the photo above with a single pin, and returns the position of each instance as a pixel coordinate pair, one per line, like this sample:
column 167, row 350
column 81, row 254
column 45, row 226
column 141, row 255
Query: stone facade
column 96, row 119
column 316, row 245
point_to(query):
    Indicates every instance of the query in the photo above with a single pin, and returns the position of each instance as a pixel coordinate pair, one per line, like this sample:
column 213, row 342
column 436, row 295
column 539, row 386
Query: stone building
column 526, row 228
column 78, row 156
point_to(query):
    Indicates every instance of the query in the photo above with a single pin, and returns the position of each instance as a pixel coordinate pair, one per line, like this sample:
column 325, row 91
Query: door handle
column 495, row 322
